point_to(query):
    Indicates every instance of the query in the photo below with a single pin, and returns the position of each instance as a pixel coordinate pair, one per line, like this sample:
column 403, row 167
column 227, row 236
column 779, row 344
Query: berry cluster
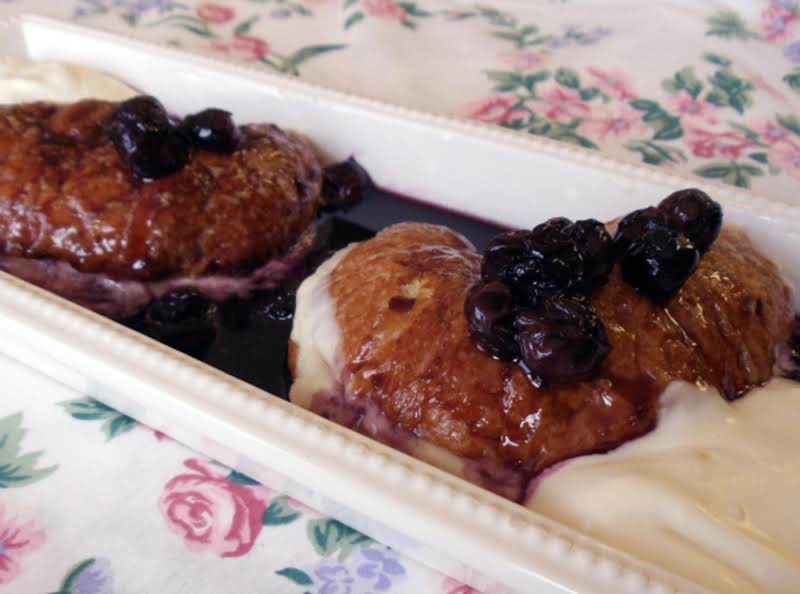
column 532, row 304
column 153, row 146
column 660, row 247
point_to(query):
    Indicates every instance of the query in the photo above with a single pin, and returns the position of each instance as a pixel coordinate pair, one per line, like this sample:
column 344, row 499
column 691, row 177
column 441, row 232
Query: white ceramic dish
column 487, row 172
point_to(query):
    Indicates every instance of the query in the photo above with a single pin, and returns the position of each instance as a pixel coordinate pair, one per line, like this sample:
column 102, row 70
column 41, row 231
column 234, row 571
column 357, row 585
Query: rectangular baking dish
column 482, row 171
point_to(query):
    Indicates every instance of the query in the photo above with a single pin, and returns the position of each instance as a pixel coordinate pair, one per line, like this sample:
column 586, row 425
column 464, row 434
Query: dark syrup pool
column 249, row 338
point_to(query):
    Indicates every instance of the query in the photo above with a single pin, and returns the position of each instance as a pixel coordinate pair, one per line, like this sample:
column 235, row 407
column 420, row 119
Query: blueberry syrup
column 249, row 338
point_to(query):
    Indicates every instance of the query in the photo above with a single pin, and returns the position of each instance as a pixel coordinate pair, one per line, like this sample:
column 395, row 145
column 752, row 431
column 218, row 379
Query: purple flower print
column 577, row 35
column 96, row 578
column 381, row 567
column 336, row 579
column 281, row 13
column 593, row 36
column 792, row 52
column 142, row 6
column 131, row 7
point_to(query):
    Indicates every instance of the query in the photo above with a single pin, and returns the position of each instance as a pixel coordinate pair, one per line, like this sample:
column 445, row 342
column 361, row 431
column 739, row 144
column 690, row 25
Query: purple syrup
column 249, row 338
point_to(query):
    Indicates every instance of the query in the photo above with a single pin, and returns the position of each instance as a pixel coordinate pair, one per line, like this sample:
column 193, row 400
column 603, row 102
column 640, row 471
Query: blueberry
column 146, row 140
column 344, row 184
column 596, row 247
column 179, row 306
column 212, row 130
column 562, row 266
column 634, row 225
column 183, row 320
column 550, row 230
column 490, row 317
column 277, row 305
column 659, row 262
column 528, row 280
column 562, row 342
column 502, row 254
column 693, row 213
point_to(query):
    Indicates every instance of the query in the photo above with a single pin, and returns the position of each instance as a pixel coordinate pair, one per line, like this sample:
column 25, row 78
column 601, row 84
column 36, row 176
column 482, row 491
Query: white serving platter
column 487, row 172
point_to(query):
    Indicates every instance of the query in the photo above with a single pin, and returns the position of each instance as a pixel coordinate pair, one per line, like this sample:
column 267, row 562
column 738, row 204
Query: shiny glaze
column 422, row 368
column 65, row 195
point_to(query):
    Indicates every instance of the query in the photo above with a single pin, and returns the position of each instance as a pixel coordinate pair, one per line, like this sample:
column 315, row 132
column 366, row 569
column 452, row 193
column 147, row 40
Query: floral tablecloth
column 92, row 502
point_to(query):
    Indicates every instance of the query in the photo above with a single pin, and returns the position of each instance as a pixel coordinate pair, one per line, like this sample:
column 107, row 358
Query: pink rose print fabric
column 244, row 47
column 451, row 586
column 215, row 13
column 212, row 513
column 384, row 9
column 496, row 110
column 18, row 537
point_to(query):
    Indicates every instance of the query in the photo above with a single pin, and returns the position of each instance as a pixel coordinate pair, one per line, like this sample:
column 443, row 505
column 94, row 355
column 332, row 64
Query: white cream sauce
column 712, row 493
column 24, row 80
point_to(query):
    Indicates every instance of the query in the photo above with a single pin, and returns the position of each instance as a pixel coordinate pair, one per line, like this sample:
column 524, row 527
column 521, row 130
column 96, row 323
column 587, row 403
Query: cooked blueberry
column 275, row 305
column 596, row 247
column 562, row 342
column 183, row 320
column 562, row 266
column 528, row 280
column 693, row 213
column 489, row 311
column 179, row 306
column 502, row 253
column 659, row 262
column 344, row 184
column 551, row 229
column 636, row 224
column 212, row 130
column 146, row 140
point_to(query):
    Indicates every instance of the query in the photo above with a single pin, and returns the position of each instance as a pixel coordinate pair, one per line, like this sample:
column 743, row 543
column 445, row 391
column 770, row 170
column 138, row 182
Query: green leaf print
column 665, row 125
column 717, row 59
column 279, row 512
column 329, row 536
column 87, row 8
column 732, row 173
column 567, row 77
column 17, row 469
column 591, row 93
column 729, row 90
column 88, row 409
column 759, row 157
column 749, row 133
column 299, row 577
column 655, row 153
column 237, row 477
column 728, row 24
column 292, row 63
column 684, row 80
column 412, row 9
column 790, row 122
column 353, row 19
column 68, row 585
column 184, row 21
column 244, row 27
column 793, row 80
column 506, row 80
column 301, row 10
column 93, row 575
